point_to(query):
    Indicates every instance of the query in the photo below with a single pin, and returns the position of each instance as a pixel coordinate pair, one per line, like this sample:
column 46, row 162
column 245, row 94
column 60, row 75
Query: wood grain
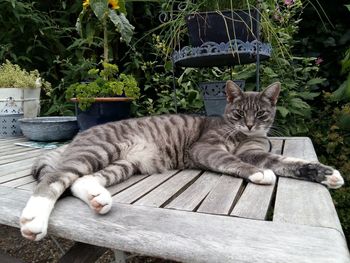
column 195, row 193
column 114, row 189
column 302, row 202
column 254, row 201
column 221, row 198
column 169, row 189
column 184, row 236
column 138, row 190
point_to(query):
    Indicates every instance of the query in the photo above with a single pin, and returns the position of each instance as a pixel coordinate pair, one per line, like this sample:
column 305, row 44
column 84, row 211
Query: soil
column 46, row 251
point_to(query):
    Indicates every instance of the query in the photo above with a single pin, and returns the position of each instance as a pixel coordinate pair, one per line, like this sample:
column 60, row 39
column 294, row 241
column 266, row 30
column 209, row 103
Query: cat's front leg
column 320, row 173
column 295, row 168
column 217, row 159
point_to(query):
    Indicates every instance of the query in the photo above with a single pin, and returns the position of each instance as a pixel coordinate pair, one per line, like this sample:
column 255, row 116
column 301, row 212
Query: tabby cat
column 234, row 144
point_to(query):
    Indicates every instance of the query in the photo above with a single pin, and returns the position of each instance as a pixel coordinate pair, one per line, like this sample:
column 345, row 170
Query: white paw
column 100, row 200
column 264, row 177
column 90, row 190
column 35, row 218
column 333, row 181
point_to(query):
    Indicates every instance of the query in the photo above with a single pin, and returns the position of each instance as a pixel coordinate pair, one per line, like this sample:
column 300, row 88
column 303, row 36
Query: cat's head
column 251, row 112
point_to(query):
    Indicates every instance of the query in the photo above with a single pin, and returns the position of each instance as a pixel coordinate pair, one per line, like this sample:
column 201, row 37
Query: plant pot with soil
column 105, row 97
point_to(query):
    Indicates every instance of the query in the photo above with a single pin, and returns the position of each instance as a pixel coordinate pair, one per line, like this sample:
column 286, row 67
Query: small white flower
column 38, row 83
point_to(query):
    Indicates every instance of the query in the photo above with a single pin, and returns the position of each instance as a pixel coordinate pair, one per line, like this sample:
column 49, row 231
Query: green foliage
column 343, row 92
column 12, row 76
column 104, row 11
column 158, row 95
column 104, row 83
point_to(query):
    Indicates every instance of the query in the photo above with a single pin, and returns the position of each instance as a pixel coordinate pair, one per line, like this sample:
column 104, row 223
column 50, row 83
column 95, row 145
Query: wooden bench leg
column 81, row 252
column 119, row 256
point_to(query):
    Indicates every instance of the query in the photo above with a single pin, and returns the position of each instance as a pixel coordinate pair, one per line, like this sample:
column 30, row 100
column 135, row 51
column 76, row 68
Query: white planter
column 27, row 99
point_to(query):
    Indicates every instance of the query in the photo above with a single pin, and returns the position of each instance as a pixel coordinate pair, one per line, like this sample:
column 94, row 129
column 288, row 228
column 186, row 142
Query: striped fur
column 234, row 144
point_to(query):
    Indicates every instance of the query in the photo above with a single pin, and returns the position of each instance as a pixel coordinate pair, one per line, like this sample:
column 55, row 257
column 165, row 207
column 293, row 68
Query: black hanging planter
column 103, row 110
column 223, row 26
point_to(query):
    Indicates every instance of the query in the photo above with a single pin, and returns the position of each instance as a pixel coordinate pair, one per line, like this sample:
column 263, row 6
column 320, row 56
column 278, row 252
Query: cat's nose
column 249, row 126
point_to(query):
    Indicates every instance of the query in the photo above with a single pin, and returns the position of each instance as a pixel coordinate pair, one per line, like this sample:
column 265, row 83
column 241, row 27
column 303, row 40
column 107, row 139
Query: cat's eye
column 260, row 113
column 238, row 112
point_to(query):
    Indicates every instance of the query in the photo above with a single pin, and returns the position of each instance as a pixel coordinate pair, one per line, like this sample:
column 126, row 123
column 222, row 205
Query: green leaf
column 315, row 81
column 100, row 8
column 306, row 95
column 122, row 8
column 348, row 7
column 283, row 111
column 122, row 25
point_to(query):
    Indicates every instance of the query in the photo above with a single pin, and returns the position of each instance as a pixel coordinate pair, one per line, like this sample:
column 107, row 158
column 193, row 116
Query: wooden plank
column 81, row 252
column 222, row 197
column 138, row 190
column 183, row 236
column 16, row 149
column 11, row 140
column 14, row 175
column 277, row 145
column 20, row 156
column 194, row 194
column 300, row 148
column 19, row 182
column 28, row 187
column 114, row 189
column 302, row 202
column 306, row 203
column 16, row 166
column 169, row 189
column 254, row 202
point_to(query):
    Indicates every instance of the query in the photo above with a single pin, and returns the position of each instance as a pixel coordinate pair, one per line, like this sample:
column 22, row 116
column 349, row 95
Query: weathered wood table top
column 192, row 215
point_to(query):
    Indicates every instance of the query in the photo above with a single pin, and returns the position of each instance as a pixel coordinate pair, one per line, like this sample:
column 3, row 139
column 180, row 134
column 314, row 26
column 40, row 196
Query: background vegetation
column 311, row 42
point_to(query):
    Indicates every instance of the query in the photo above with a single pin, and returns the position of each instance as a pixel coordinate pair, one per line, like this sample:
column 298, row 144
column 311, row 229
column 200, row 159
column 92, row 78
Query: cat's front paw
column 333, row 181
column 263, row 177
column 35, row 217
column 320, row 173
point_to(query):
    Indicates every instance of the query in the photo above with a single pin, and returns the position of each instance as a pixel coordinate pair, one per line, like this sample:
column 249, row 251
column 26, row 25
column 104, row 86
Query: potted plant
column 22, row 87
column 107, row 94
column 222, row 21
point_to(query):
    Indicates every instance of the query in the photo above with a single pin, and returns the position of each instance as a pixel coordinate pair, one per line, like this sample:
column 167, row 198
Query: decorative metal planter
column 210, row 54
column 214, row 96
column 223, row 26
column 9, row 116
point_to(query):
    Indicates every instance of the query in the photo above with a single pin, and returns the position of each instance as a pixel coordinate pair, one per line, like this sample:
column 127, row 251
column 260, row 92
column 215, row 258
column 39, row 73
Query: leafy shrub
column 12, row 76
column 104, row 83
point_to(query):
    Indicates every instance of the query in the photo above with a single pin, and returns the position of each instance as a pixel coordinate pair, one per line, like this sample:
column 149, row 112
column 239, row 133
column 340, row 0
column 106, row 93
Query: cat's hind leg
column 91, row 188
column 35, row 216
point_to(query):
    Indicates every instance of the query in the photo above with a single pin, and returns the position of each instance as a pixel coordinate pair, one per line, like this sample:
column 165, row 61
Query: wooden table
column 191, row 215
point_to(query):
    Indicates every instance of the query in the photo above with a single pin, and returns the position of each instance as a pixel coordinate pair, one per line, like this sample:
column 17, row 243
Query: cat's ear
column 232, row 91
column 272, row 92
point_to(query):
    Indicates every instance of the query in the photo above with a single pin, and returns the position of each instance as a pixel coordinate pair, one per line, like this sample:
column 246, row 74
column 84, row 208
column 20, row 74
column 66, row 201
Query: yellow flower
column 86, row 3
column 114, row 4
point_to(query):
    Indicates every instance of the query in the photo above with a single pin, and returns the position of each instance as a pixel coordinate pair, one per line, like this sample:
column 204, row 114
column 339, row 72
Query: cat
column 235, row 144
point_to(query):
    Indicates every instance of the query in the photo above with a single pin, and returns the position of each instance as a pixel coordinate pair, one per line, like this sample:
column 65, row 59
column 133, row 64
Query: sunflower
column 86, row 3
column 113, row 4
